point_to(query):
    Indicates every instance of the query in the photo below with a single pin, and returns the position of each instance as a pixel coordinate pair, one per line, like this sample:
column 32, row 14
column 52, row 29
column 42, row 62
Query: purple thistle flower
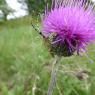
column 69, row 26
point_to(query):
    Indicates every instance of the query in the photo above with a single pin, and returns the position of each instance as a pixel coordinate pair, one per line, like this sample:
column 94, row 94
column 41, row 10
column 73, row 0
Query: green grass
column 24, row 61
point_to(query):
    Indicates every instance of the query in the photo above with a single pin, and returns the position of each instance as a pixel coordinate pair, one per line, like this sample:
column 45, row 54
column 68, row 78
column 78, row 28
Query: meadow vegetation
column 25, row 64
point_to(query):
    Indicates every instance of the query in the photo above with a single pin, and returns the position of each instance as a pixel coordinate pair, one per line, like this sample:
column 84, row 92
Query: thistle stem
column 53, row 75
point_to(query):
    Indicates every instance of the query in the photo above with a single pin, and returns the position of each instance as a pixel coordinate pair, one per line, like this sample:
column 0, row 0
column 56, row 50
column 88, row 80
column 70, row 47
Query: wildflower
column 69, row 26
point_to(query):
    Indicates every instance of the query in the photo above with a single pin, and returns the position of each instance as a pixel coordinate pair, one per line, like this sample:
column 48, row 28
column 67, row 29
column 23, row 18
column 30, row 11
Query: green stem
column 53, row 75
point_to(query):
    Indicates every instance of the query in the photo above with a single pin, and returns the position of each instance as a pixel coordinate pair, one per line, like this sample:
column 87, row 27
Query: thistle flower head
column 69, row 26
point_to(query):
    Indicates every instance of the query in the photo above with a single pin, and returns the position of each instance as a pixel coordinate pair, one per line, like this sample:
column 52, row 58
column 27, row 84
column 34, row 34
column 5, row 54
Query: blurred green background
column 25, row 64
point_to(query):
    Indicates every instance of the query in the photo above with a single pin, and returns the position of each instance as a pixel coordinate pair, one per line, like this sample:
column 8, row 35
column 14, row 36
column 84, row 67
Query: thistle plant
column 67, row 27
